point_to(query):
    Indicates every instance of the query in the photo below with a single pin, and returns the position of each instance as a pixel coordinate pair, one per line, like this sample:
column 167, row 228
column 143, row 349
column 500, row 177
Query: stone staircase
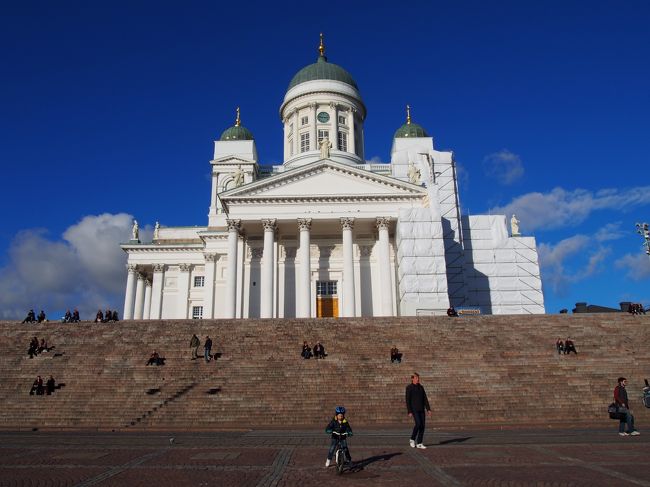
column 480, row 371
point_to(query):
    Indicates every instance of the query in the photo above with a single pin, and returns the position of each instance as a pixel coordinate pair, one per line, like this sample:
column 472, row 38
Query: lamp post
column 642, row 229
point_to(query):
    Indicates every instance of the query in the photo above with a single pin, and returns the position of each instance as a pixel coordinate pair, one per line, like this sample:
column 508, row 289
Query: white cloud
column 611, row 231
column 375, row 160
column 562, row 208
column 637, row 266
column 504, row 166
column 86, row 269
column 576, row 249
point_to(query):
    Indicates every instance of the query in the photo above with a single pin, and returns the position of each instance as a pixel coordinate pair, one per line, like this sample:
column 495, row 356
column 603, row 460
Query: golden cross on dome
column 321, row 48
column 408, row 114
column 238, row 121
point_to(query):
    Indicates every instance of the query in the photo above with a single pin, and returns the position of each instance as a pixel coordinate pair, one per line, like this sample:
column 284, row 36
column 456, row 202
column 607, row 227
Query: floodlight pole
column 642, row 229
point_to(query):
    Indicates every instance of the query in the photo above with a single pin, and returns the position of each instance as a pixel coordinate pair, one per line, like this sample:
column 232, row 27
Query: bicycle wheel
column 340, row 461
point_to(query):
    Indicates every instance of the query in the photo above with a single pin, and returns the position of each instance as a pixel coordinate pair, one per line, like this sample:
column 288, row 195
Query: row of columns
column 143, row 298
column 304, row 299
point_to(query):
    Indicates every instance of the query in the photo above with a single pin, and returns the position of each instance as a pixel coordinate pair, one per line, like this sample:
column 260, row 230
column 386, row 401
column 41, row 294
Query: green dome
column 237, row 132
column 321, row 69
column 410, row 130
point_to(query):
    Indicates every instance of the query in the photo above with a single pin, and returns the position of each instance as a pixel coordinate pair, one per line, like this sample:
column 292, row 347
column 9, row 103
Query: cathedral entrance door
column 327, row 301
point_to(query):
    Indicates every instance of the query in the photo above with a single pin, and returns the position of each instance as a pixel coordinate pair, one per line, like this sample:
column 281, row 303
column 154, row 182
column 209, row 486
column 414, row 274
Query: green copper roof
column 236, row 132
column 410, row 130
column 321, row 69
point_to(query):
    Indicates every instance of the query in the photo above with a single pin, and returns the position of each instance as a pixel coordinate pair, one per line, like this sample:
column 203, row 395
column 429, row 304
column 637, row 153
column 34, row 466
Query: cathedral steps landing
column 490, row 371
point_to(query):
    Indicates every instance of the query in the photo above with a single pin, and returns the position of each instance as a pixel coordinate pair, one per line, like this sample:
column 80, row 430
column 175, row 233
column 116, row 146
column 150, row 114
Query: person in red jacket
column 620, row 398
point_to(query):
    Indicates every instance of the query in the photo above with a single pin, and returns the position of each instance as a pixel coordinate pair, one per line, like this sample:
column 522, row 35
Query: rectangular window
column 197, row 312
column 343, row 141
column 326, row 288
column 290, row 147
column 322, row 134
column 290, row 129
column 199, row 281
column 304, row 120
column 304, row 142
column 342, row 119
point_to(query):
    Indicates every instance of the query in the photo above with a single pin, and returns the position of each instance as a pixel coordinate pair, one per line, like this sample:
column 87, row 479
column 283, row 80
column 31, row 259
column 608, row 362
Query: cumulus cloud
column 587, row 259
column 375, row 160
column 84, row 269
column 636, row 266
column 504, row 166
column 562, row 208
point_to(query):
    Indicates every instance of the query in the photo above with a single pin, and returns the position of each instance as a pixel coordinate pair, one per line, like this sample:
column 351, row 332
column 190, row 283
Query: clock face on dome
column 323, row 117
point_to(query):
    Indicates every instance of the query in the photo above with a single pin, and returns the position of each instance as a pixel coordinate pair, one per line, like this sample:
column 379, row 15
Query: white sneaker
column 421, row 446
column 328, row 462
column 635, row 433
column 624, row 434
column 412, row 443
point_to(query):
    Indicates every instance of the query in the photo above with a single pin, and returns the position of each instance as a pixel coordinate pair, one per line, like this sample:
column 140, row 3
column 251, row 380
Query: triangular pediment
column 324, row 179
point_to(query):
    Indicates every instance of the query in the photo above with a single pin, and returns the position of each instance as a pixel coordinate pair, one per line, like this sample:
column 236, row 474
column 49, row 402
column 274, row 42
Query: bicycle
column 340, row 454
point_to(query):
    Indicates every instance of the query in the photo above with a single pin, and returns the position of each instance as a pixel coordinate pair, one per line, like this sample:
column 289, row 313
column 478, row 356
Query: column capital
column 184, row 267
column 158, row 267
column 209, row 257
column 313, row 105
column 334, row 105
column 233, row 225
column 147, row 283
column 383, row 222
column 269, row 224
column 141, row 277
column 131, row 268
column 304, row 223
column 347, row 223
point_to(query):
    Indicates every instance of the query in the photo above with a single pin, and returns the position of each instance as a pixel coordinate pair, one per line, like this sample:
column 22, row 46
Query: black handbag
column 617, row 412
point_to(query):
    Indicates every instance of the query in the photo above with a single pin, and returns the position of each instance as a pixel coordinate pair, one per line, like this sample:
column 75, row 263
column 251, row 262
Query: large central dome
column 322, row 69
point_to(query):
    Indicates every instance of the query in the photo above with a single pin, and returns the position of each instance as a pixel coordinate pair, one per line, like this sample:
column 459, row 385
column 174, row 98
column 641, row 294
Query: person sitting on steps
column 569, row 347
column 395, row 356
column 319, row 350
column 155, row 359
column 306, row 351
column 560, row 346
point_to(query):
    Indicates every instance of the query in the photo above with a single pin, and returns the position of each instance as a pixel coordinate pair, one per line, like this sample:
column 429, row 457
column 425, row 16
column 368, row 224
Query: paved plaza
column 296, row 458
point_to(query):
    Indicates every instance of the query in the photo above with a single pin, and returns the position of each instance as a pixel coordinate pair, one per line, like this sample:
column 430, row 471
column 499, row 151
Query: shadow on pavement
column 455, row 440
column 358, row 466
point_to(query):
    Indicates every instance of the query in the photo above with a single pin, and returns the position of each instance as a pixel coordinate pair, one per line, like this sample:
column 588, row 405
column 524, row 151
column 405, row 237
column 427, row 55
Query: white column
column 351, row 147
column 384, row 267
column 266, row 291
column 303, row 301
column 130, row 289
column 314, row 144
column 139, row 298
column 334, row 137
column 147, row 300
column 348, row 268
column 208, row 288
column 157, row 291
column 296, row 135
column 183, row 291
column 213, row 195
column 231, row 275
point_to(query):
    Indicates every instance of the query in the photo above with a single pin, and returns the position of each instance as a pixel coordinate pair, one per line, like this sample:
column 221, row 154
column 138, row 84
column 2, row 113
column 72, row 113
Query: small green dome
column 321, row 69
column 236, row 132
column 410, row 130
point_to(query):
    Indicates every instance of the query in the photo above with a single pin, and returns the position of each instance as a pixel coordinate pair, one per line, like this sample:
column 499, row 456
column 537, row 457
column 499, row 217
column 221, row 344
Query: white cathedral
column 326, row 234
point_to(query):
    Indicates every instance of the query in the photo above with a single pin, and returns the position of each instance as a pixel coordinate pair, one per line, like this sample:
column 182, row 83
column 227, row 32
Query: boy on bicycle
column 340, row 430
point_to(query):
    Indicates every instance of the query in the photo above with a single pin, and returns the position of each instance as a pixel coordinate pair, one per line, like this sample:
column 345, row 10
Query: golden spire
column 238, row 121
column 321, row 48
column 408, row 114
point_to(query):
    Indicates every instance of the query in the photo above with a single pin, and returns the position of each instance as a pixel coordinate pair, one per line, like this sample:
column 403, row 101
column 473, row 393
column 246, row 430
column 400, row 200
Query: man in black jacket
column 416, row 404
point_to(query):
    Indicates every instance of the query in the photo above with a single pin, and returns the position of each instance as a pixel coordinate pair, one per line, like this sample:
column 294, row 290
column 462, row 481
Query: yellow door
column 327, row 307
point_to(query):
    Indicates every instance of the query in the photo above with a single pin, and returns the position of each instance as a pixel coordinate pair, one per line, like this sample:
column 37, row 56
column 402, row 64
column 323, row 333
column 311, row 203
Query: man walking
column 208, row 348
column 627, row 418
column 416, row 405
column 194, row 345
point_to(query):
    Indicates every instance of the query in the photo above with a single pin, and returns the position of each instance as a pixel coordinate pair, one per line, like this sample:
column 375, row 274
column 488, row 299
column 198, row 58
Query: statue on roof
column 413, row 173
column 156, row 229
column 238, row 177
column 325, row 146
column 514, row 226
column 135, row 231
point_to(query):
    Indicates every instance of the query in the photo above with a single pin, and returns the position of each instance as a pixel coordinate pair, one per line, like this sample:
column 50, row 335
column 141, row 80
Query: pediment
column 324, row 179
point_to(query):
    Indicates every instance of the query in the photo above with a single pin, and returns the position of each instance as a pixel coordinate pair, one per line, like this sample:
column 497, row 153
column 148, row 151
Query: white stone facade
column 332, row 236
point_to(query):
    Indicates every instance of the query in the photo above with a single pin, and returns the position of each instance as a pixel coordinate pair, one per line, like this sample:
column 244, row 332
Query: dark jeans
column 418, row 429
column 344, row 447
column 629, row 420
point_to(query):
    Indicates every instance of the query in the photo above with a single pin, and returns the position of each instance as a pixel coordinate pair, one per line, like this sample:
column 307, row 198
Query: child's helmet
column 340, row 410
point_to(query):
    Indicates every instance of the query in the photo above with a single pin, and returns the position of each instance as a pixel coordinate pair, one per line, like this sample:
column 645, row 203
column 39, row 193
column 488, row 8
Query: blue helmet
column 340, row 410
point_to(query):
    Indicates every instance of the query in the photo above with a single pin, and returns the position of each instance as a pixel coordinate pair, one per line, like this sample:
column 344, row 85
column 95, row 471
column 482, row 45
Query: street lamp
column 642, row 229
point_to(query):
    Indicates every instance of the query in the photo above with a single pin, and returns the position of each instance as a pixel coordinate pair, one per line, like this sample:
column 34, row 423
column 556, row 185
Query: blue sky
column 109, row 110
